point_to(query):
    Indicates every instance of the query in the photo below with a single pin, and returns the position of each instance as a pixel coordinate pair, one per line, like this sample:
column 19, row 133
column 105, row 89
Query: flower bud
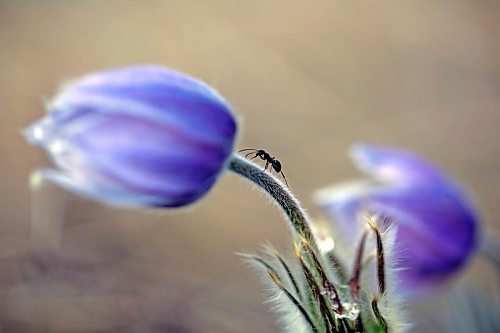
column 436, row 224
column 137, row 136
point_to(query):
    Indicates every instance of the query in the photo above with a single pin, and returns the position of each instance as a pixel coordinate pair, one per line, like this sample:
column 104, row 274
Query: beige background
column 307, row 79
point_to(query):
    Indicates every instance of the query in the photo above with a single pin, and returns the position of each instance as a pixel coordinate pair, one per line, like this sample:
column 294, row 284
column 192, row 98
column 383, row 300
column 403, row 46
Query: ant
column 276, row 165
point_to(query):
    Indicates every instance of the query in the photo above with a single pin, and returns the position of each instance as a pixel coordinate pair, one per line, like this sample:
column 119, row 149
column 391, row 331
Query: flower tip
column 371, row 221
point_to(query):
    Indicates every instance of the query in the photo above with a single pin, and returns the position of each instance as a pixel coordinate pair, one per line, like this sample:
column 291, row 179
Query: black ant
column 276, row 165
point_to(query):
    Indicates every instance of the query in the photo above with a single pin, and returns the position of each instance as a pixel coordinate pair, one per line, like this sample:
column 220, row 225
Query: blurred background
column 307, row 79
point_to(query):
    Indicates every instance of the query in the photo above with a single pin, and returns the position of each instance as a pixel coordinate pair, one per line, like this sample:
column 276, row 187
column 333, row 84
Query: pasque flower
column 137, row 136
column 436, row 224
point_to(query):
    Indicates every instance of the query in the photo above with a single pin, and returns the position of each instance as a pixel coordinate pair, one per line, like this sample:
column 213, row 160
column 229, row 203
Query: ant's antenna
column 239, row 151
column 252, row 150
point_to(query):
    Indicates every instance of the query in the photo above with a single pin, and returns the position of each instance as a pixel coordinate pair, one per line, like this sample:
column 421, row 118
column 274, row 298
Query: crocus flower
column 137, row 136
column 436, row 224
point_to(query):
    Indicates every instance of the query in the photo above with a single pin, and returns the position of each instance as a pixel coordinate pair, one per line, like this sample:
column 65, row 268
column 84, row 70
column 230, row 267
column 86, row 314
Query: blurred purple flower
column 137, row 136
column 436, row 224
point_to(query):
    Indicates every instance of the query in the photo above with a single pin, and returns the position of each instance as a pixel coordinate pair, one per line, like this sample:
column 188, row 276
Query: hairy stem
column 277, row 191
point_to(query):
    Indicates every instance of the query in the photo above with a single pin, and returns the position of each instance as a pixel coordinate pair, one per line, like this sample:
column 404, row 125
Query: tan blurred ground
column 307, row 78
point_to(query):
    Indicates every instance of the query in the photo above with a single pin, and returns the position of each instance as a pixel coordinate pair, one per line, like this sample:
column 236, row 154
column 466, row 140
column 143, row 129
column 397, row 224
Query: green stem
column 277, row 191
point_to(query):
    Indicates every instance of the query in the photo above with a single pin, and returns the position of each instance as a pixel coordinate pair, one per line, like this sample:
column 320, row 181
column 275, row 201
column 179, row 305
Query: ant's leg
column 284, row 178
column 267, row 164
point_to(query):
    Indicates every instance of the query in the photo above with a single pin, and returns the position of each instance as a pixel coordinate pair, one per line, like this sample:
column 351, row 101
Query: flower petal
column 393, row 165
column 436, row 224
column 117, row 198
column 146, row 130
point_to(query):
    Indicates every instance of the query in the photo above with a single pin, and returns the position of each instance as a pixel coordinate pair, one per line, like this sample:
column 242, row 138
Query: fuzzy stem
column 278, row 191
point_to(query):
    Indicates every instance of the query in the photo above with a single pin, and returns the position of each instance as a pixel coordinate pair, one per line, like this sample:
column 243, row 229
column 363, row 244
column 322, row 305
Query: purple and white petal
column 435, row 222
column 146, row 131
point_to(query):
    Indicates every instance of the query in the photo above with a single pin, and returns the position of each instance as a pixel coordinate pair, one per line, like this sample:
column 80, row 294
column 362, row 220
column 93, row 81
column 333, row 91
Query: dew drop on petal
column 326, row 244
column 351, row 311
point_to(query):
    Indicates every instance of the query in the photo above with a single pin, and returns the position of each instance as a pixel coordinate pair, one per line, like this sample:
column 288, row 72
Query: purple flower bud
column 436, row 224
column 137, row 136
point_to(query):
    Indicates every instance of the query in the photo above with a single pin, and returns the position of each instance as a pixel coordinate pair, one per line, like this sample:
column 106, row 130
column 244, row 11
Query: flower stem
column 278, row 191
